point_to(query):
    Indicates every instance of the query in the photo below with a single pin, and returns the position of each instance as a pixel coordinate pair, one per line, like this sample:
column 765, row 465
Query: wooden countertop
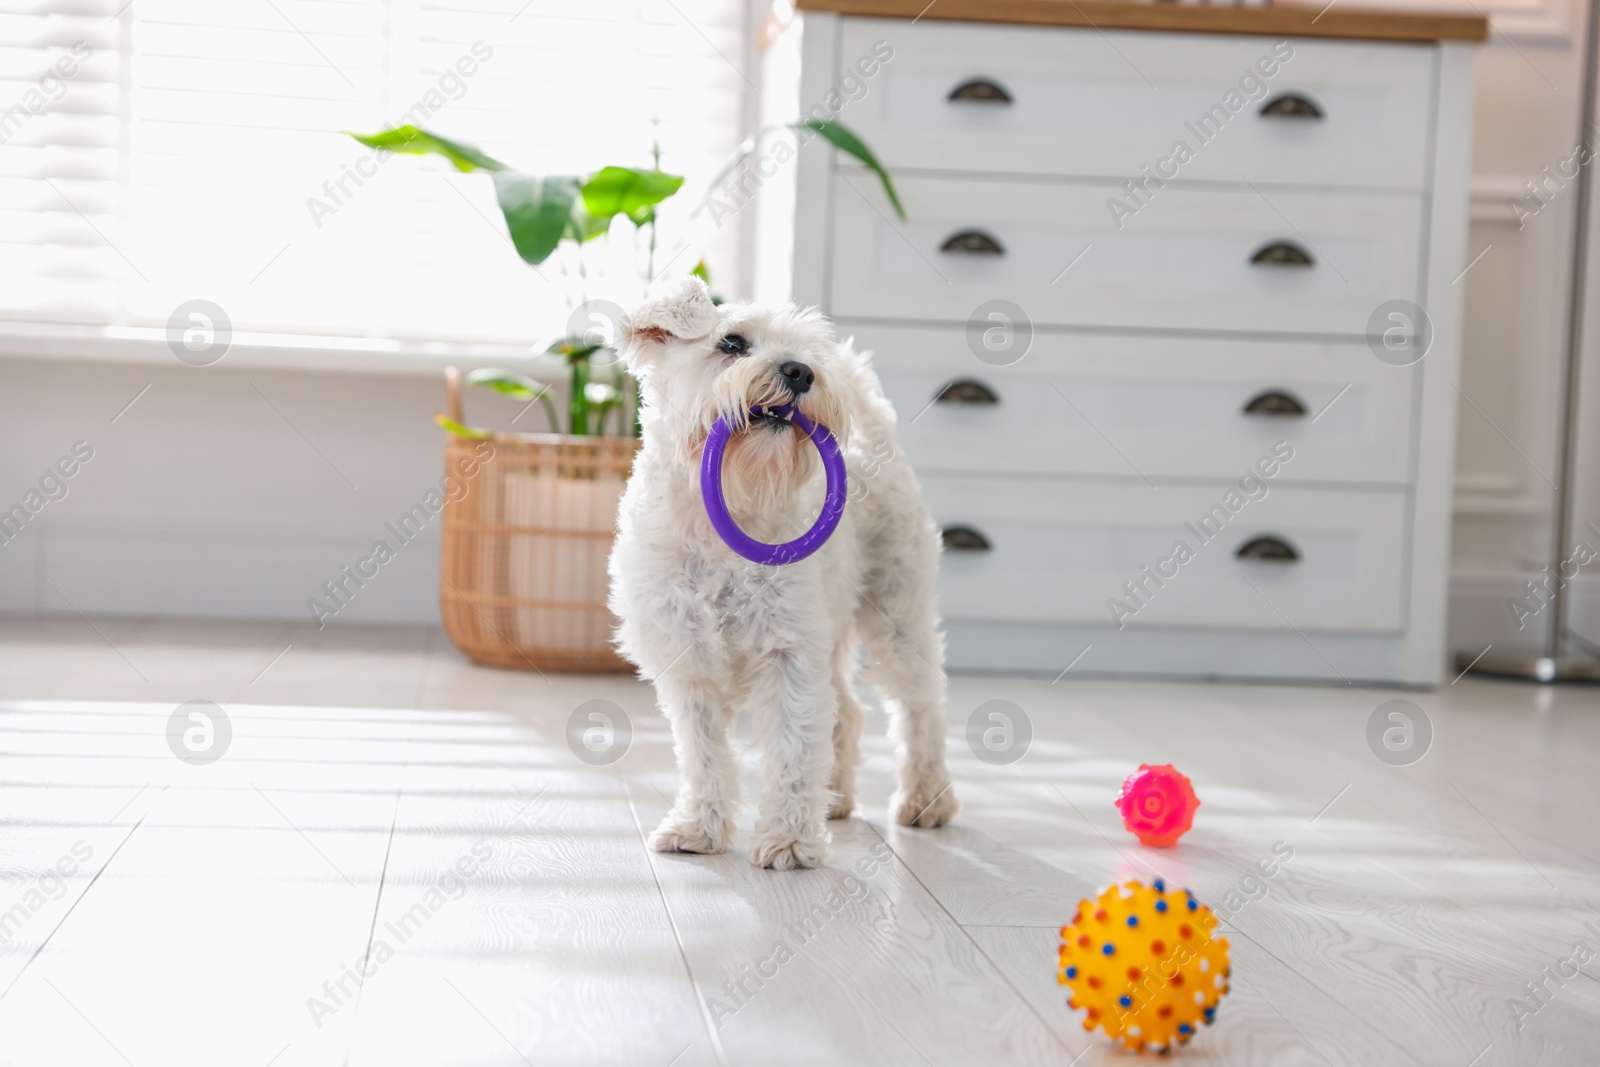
column 1279, row 20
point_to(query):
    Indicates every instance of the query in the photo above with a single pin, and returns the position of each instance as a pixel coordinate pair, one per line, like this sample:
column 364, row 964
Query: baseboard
column 1481, row 613
column 1179, row 653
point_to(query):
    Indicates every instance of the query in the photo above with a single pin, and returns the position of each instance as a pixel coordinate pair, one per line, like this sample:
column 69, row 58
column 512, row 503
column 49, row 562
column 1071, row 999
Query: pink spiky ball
column 1157, row 804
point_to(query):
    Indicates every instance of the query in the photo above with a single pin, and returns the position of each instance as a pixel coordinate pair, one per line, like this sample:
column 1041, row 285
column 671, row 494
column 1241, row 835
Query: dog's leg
column 794, row 702
column 846, row 732
column 907, row 674
column 701, row 819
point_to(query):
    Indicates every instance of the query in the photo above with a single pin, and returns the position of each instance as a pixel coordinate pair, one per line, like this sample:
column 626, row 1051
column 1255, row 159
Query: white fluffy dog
column 715, row 632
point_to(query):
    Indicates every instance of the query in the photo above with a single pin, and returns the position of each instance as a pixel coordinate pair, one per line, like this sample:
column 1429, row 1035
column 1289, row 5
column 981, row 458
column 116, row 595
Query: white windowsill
column 147, row 346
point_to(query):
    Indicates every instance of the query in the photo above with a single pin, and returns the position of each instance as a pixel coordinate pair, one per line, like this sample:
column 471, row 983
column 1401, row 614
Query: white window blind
column 172, row 150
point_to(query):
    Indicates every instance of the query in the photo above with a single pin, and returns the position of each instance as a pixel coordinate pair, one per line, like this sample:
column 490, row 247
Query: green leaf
column 601, row 394
column 625, row 191
column 603, row 399
column 573, row 348
column 586, row 227
column 542, row 212
column 847, row 142
column 517, row 386
column 537, row 210
column 418, row 142
column 703, row 272
column 462, row 431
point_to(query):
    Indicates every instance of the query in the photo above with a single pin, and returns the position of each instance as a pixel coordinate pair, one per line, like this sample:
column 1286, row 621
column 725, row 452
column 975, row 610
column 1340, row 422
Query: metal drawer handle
column 980, row 91
column 966, row 391
column 1275, row 402
column 964, row 539
column 1281, row 254
column 972, row 243
column 1291, row 106
column 1268, row 549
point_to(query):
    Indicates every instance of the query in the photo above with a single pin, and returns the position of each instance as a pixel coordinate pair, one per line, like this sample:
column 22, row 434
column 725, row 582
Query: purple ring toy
column 717, row 506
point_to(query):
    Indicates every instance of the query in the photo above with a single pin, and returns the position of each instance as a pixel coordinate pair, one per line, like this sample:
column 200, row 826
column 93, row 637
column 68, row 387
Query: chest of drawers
column 1170, row 320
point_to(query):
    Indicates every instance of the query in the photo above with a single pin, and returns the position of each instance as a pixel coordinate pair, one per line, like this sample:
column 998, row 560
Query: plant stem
column 655, row 162
column 579, row 406
column 650, row 263
column 583, row 276
column 549, row 409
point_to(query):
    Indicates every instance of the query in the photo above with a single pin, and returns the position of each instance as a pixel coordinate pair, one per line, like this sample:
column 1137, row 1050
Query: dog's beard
column 770, row 480
column 771, row 474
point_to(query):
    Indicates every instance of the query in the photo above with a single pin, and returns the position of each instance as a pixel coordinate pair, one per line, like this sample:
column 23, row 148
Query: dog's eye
column 735, row 344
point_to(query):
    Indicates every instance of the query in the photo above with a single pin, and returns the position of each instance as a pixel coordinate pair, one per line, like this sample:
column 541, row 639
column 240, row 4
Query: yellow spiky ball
column 1143, row 965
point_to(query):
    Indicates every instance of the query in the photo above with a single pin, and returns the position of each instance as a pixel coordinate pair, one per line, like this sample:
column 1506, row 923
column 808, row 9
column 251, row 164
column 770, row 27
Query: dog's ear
column 683, row 312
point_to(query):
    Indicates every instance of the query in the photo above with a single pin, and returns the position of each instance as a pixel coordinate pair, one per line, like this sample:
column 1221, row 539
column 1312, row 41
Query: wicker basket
column 522, row 571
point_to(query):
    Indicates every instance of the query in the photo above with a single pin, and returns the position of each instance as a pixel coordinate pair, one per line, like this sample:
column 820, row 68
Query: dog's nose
column 797, row 376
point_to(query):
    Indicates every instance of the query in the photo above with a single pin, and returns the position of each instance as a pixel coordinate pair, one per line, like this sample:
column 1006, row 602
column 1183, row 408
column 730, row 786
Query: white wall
column 230, row 490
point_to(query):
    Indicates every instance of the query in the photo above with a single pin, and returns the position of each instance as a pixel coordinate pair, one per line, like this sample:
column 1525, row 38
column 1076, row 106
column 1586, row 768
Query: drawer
column 1211, row 259
column 1078, row 102
column 1131, row 407
column 1057, row 550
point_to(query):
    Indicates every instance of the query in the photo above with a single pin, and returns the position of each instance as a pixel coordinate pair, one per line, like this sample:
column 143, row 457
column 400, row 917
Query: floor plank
column 522, row 920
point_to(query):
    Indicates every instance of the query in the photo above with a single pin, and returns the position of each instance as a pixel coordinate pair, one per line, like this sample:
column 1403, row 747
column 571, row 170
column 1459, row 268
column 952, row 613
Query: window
column 161, row 151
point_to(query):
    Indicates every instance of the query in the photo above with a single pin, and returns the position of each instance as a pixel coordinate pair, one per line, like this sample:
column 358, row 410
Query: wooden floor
column 213, row 911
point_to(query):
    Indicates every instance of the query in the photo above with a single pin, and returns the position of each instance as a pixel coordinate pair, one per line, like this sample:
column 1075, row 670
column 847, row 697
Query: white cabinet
column 1167, row 326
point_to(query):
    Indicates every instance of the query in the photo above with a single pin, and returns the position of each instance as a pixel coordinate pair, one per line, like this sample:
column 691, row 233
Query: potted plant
column 525, row 542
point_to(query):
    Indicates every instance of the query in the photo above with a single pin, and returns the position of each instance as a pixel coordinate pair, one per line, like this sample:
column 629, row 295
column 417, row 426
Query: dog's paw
column 786, row 852
column 927, row 805
column 679, row 834
column 841, row 805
